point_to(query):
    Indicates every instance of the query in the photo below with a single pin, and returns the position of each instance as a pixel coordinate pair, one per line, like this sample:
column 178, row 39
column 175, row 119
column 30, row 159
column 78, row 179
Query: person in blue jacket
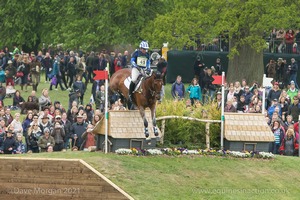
column 195, row 91
column 140, row 60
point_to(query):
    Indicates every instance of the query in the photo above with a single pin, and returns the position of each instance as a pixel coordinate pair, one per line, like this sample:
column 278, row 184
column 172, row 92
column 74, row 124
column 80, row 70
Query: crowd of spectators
column 282, row 106
column 48, row 126
column 284, row 41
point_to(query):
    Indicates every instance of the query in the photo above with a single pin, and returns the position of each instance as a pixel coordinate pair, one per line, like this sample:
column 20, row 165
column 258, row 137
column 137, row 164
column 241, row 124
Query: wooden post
column 207, row 135
column 163, row 124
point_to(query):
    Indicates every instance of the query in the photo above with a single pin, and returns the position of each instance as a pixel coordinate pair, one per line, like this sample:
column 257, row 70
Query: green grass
column 187, row 177
column 195, row 177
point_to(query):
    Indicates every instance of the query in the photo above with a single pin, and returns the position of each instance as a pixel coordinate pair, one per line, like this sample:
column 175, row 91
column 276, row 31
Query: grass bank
column 195, row 177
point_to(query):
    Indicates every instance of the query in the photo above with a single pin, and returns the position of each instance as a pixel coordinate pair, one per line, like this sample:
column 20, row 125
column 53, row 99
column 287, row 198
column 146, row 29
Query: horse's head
column 157, row 83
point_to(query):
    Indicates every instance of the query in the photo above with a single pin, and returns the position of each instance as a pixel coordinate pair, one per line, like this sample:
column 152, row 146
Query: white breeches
column 134, row 74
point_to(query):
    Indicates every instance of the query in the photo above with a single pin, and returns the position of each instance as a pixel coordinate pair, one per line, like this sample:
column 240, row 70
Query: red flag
column 218, row 80
column 100, row 75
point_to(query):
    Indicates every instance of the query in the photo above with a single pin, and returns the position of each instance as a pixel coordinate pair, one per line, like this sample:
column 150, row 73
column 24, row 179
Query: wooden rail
column 207, row 125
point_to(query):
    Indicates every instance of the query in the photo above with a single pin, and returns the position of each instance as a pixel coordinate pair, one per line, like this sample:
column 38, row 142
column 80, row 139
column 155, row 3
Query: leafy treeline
column 84, row 24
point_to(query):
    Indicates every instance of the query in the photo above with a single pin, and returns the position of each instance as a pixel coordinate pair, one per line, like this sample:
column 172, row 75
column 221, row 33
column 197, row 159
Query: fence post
column 163, row 124
column 207, row 135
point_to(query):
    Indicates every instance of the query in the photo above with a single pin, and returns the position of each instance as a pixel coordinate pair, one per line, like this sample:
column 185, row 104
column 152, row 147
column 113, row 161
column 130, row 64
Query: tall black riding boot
column 131, row 89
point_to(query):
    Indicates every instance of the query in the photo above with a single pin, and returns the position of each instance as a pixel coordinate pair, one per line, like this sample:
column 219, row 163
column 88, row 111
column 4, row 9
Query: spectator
column 58, row 134
column 292, row 91
column 278, row 134
column 81, row 70
column 195, row 92
column 74, row 97
column 242, row 105
column 280, row 35
column 67, row 128
column 199, row 69
column 208, row 86
column 294, row 109
column 17, row 124
column 284, row 107
column 280, row 71
column 79, row 86
column 229, row 107
column 71, row 71
column 118, row 62
column 46, row 141
column 33, row 135
column 100, row 98
column 96, row 119
column 35, row 69
column 20, row 146
column 273, row 107
column 10, row 72
column 26, row 123
column 44, row 100
column 293, row 68
column 18, row 100
column 45, row 123
column 2, row 93
column 55, row 73
column 77, row 129
column 8, row 117
column 274, row 93
column 271, row 69
column 89, row 111
column 289, row 40
column 88, row 137
column 248, row 95
column 219, row 67
column 289, row 121
column 124, row 59
column 178, row 90
column 9, row 144
column 89, row 66
column 47, row 63
column 289, row 145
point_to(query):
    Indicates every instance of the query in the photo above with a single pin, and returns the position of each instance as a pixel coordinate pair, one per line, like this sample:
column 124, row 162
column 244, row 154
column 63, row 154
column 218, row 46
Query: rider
column 140, row 60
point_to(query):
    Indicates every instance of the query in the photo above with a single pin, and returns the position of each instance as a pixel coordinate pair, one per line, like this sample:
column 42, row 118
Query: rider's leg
column 134, row 77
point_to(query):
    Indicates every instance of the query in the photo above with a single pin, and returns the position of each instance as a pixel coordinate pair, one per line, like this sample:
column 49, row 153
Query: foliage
column 185, row 132
column 244, row 21
column 77, row 24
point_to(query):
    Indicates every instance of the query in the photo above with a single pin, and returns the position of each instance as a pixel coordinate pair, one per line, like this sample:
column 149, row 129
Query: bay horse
column 144, row 97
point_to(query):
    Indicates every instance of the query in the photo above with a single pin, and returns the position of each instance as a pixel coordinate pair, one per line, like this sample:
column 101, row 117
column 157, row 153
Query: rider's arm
column 133, row 59
column 148, row 64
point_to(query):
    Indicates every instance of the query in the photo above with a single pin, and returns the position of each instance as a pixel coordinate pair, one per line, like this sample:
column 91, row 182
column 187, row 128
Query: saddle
column 140, row 79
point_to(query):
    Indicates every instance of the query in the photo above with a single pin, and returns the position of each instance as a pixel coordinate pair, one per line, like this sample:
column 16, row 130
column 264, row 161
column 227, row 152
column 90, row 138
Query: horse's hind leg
column 146, row 131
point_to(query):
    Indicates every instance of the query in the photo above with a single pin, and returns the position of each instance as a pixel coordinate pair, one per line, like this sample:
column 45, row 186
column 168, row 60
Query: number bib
column 141, row 61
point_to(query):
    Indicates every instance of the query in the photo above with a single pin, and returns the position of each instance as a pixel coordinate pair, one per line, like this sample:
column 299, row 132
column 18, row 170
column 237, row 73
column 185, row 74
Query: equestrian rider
column 140, row 60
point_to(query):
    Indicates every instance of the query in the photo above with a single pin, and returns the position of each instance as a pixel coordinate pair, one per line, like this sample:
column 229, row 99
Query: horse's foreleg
column 153, row 116
column 142, row 112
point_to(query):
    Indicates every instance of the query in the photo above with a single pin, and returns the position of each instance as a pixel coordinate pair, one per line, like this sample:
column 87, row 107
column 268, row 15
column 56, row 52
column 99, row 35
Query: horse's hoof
column 148, row 138
column 156, row 134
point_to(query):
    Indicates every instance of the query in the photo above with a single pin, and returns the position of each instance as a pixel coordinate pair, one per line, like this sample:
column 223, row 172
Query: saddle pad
column 128, row 80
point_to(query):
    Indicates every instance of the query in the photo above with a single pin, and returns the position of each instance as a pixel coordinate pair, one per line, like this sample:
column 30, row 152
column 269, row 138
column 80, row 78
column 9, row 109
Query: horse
column 145, row 95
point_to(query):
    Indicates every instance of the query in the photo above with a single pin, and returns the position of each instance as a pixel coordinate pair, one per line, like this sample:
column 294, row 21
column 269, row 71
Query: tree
column 78, row 24
column 244, row 21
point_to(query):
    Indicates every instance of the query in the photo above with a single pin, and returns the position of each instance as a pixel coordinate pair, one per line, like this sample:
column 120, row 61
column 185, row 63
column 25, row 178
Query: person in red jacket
column 289, row 41
column 289, row 145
